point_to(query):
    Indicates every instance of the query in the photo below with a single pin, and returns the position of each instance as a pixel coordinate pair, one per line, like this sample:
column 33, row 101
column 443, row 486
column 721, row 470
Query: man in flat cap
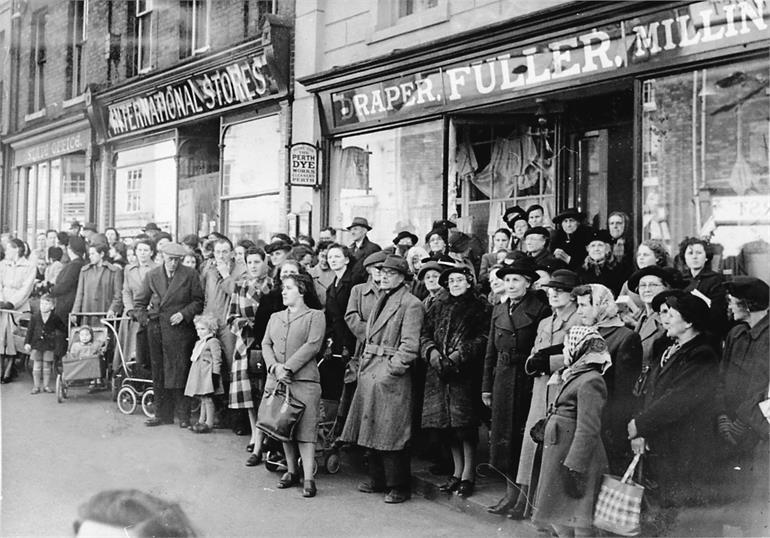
column 361, row 247
column 380, row 417
column 170, row 298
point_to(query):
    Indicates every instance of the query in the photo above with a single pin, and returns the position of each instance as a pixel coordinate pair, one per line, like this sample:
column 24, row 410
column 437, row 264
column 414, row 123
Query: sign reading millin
column 304, row 165
column 238, row 83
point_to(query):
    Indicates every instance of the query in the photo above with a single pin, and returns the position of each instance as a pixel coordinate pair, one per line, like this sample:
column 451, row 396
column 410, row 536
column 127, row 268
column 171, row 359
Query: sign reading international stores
column 304, row 165
column 624, row 47
column 241, row 82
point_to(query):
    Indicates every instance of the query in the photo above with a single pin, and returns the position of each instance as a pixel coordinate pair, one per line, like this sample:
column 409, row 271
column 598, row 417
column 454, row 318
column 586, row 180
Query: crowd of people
column 575, row 349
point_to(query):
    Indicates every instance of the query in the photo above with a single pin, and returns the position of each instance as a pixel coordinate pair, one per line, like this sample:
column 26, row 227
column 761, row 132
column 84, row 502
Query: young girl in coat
column 45, row 336
column 203, row 379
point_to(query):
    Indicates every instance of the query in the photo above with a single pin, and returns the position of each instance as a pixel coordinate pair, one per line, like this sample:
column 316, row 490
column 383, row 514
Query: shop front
column 51, row 180
column 200, row 147
column 656, row 110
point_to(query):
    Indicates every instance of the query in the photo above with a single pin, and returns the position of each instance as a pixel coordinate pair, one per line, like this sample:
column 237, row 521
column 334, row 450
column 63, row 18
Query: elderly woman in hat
column 516, row 219
column 676, row 420
column 454, row 337
column 506, row 388
column 571, row 238
column 404, row 241
column 573, row 455
column 600, row 265
column 436, row 240
column 546, row 359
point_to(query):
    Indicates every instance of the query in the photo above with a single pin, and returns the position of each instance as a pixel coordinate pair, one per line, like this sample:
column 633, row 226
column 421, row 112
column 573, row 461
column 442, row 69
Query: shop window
column 198, row 158
column 193, row 27
column 134, row 190
column 497, row 166
column 140, row 21
column 78, row 12
column 708, row 140
column 251, row 179
column 395, row 17
column 410, row 7
column 393, row 178
column 37, row 60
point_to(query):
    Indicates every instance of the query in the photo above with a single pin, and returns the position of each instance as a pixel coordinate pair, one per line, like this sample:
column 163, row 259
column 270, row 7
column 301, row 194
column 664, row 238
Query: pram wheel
column 127, row 400
column 332, row 463
column 148, row 403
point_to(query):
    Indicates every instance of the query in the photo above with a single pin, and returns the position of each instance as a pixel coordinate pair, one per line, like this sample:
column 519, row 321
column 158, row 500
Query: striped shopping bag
column 619, row 506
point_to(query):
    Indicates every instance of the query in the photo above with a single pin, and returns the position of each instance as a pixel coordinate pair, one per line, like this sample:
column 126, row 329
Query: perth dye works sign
column 630, row 46
column 239, row 83
column 304, row 165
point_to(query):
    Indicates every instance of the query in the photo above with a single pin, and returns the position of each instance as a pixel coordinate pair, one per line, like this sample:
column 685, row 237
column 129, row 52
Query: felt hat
column 395, row 263
column 563, row 279
column 668, row 275
column 441, row 232
column 374, row 259
column 151, row 227
column 600, row 235
column 512, row 214
column 459, row 242
column 458, row 268
column 749, row 287
column 692, row 308
column 570, row 212
column 405, row 235
column 432, row 265
column 174, row 249
column 549, row 264
column 444, row 223
column 280, row 238
column 278, row 245
column 524, row 266
column 359, row 221
column 538, row 230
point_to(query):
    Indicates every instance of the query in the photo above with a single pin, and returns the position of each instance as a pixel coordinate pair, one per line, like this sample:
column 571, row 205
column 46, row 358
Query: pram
column 131, row 383
column 81, row 372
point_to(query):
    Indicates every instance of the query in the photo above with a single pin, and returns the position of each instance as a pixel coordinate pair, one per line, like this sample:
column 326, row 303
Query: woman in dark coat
column 600, row 265
column 453, row 341
column 343, row 340
column 676, row 422
column 570, row 238
column 697, row 254
column 67, row 282
column 573, row 455
column 506, row 388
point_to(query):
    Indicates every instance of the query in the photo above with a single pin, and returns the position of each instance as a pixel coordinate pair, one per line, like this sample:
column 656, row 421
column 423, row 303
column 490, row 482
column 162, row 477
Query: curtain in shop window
column 351, row 167
column 513, row 166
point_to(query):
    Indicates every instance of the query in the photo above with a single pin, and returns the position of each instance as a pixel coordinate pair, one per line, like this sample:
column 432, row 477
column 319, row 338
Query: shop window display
column 706, row 162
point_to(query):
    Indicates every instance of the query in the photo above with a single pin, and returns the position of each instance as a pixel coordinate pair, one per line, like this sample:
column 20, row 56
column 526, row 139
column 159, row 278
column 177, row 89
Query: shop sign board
column 241, row 82
column 303, row 170
column 55, row 147
column 627, row 46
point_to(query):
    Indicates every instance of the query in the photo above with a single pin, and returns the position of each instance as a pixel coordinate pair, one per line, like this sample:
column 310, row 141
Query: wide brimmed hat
column 570, row 212
column 523, row 266
column 668, row 275
column 692, row 308
column 441, row 232
column 464, row 270
column 405, row 235
column 395, row 263
column 174, row 249
column 151, row 227
column 549, row 264
column 563, row 279
column 512, row 214
column 359, row 221
column 444, row 223
column 599, row 235
column 432, row 265
column 278, row 245
column 374, row 259
column 538, row 230
column 459, row 242
column 749, row 287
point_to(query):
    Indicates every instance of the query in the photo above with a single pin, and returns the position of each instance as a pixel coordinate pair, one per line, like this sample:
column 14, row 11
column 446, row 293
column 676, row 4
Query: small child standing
column 45, row 336
column 203, row 379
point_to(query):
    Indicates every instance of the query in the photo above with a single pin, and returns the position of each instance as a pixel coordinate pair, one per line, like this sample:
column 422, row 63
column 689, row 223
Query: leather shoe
column 465, row 488
column 450, row 485
column 309, row 489
column 156, row 422
column 254, row 460
column 502, row 507
column 288, row 480
column 369, row 486
column 396, row 496
column 184, row 424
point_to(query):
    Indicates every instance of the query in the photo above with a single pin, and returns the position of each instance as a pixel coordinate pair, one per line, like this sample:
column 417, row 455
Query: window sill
column 74, row 101
column 35, row 115
column 198, row 52
column 431, row 17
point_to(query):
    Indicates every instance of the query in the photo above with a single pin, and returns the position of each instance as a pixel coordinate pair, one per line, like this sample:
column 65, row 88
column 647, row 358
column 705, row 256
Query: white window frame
column 40, row 55
column 143, row 16
column 77, row 84
column 196, row 5
column 134, row 190
column 386, row 23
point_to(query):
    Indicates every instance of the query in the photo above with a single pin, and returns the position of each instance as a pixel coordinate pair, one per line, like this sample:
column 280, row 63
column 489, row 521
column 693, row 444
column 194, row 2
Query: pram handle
column 9, row 311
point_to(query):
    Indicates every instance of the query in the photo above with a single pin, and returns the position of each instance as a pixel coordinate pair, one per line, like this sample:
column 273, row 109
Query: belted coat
column 363, row 297
column 380, row 415
column 511, row 338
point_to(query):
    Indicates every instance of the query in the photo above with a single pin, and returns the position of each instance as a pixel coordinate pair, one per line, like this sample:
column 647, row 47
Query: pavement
column 55, row 456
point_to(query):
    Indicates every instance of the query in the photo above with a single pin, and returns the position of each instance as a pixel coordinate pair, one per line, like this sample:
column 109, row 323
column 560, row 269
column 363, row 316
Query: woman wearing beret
column 454, row 337
column 676, row 422
column 506, row 388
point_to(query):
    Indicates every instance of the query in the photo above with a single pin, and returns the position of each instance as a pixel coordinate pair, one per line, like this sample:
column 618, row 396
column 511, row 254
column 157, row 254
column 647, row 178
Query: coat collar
column 559, row 321
column 761, row 326
column 523, row 314
column 287, row 317
column 391, row 307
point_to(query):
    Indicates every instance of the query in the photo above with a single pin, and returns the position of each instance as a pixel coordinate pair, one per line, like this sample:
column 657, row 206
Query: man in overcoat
column 380, row 416
column 170, row 298
column 361, row 247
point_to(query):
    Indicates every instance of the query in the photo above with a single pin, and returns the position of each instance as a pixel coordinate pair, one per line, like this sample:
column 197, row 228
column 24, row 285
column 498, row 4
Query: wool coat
column 294, row 340
column 625, row 348
column 66, row 287
column 360, row 254
column 206, row 361
column 380, row 415
column 161, row 298
column 572, row 440
column 573, row 244
column 711, row 284
column 363, row 297
column 49, row 335
column 100, row 289
column 550, row 332
column 611, row 276
column 133, row 277
column 16, row 283
column 511, row 337
column 457, row 328
column 677, row 420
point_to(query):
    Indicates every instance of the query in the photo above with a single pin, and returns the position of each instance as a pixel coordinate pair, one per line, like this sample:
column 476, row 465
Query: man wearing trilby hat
column 361, row 247
column 380, row 416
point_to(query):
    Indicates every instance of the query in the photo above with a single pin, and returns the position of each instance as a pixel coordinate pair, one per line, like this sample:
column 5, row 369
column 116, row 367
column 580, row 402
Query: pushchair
column 79, row 372
column 130, row 384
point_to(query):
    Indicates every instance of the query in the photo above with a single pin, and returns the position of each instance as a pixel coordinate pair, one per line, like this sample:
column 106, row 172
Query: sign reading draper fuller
column 231, row 85
column 304, row 165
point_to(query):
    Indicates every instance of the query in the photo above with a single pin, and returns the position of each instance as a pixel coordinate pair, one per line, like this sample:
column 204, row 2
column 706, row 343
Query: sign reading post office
column 303, row 171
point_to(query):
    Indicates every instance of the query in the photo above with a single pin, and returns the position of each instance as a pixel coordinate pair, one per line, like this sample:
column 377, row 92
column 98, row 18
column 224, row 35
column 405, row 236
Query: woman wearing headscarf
column 574, row 459
column 506, row 389
column 597, row 309
column 17, row 279
column 619, row 227
column 454, row 337
column 676, row 422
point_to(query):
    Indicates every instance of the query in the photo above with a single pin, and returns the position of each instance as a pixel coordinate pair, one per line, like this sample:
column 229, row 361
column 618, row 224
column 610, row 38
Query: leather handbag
column 279, row 413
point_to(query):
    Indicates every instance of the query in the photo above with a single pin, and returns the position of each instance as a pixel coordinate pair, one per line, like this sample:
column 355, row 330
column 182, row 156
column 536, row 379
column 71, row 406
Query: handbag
column 279, row 413
column 619, row 506
column 256, row 364
column 537, row 432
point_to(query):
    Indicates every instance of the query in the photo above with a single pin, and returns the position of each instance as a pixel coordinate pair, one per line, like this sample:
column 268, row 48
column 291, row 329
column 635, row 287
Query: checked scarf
column 243, row 307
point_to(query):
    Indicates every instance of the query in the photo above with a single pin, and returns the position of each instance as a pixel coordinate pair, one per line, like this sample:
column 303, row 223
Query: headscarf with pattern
column 584, row 349
column 607, row 309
